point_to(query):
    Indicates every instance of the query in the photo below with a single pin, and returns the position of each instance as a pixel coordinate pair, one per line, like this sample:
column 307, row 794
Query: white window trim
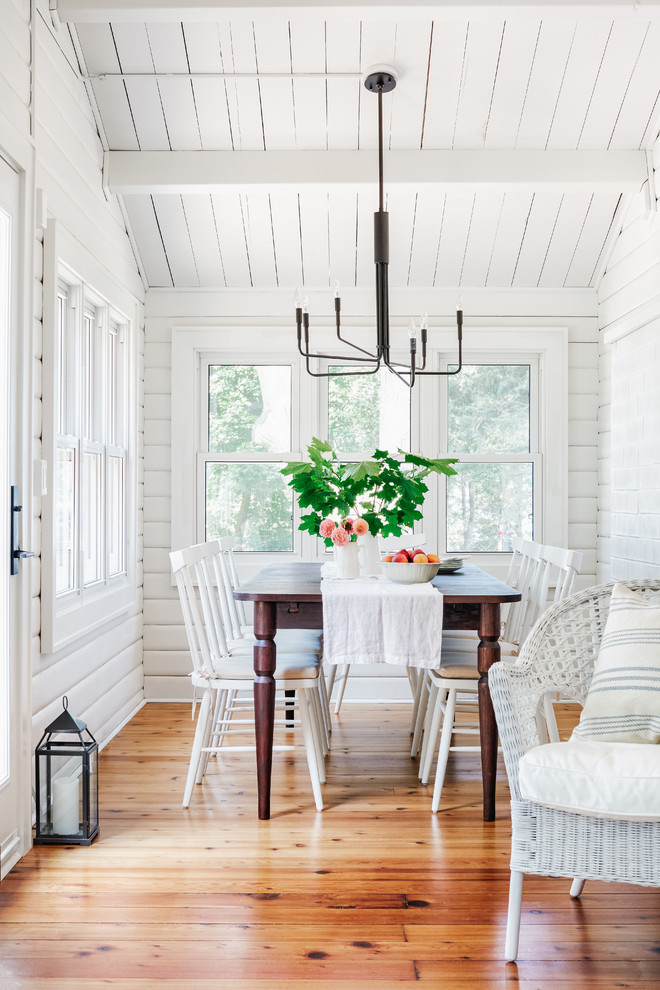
column 67, row 618
column 547, row 346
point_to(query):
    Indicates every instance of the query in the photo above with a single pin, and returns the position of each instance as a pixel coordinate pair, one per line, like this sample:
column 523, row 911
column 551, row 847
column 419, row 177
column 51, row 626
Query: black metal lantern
column 67, row 783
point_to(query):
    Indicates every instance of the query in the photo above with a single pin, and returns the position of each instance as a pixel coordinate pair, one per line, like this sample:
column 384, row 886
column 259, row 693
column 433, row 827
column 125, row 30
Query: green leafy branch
column 387, row 490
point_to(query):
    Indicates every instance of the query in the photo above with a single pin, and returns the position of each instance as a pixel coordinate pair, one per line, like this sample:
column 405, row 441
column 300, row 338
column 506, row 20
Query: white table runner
column 372, row 620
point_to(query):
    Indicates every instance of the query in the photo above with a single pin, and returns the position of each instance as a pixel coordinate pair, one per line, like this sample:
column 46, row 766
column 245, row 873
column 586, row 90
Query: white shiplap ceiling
column 473, row 81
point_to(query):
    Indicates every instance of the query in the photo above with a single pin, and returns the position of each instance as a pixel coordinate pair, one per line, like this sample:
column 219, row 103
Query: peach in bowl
column 407, row 572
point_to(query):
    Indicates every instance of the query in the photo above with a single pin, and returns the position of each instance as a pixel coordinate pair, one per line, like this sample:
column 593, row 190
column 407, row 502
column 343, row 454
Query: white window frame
column 68, row 616
column 545, row 348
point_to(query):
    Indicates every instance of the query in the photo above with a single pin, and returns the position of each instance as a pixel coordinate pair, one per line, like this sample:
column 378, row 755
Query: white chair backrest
column 193, row 570
column 231, row 581
column 527, row 580
column 561, row 567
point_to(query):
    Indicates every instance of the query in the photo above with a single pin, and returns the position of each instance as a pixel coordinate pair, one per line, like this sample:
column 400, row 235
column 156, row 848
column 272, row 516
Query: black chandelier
column 379, row 80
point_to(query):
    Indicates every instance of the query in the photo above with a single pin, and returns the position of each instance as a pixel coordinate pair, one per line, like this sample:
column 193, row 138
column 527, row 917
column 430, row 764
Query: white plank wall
column 15, row 65
column 629, row 316
column 166, row 662
column 101, row 675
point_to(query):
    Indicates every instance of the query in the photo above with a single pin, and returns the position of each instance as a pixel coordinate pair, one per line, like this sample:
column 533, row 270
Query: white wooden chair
column 220, row 671
column 459, row 656
column 454, row 686
column 242, row 632
column 555, row 839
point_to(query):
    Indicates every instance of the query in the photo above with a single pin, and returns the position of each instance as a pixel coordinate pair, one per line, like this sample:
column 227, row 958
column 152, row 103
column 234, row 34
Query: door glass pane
column 116, row 515
column 488, row 409
column 65, row 501
column 5, row 319
column 251, row 502
column 91, row 517
column 249, row 408
column 487, row 504
column 368, row 412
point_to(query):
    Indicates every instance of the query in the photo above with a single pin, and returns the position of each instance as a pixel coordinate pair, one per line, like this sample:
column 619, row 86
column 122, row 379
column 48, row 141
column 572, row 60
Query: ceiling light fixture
column 379, row 80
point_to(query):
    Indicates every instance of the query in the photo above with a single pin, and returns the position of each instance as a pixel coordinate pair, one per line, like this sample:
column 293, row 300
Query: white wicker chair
column 559, row 656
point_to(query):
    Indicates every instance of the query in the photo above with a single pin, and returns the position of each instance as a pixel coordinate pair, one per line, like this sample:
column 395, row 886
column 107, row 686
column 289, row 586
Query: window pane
column 487, row 504
column 65, row 477
column 60, row 363
column 488, row 409
column 366, row 412
column 116, row 515
column 88, row 376
column 251, row 502
column 91, row 518
column 249, row 408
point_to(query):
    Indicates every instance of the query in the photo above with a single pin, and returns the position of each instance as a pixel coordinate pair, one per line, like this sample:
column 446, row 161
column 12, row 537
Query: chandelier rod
column 379, row 79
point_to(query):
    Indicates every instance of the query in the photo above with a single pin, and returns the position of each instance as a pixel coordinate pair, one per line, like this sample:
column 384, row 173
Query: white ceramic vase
column 347, row 560
column 369, row 555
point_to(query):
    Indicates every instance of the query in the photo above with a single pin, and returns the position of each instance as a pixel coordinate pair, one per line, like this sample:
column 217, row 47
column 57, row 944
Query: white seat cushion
column 303, row 665
column 603, row 779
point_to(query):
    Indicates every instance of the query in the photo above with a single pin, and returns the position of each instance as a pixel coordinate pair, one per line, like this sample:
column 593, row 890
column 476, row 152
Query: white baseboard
column 12, row 851
column 121, row 725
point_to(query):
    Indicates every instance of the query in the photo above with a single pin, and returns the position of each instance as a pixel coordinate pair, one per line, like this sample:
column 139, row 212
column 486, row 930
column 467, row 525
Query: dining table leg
column 488, row 653
column 265, row 625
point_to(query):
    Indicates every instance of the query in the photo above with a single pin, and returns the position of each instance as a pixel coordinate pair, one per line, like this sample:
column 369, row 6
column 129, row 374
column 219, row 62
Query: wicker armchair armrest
column 516, row 699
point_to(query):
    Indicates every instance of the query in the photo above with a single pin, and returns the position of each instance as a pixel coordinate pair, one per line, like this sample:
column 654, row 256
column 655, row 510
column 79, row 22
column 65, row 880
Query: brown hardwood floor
column 374, row 892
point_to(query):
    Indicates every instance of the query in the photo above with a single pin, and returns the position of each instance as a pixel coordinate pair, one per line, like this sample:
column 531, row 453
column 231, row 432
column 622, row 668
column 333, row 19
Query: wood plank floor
column 373, row 892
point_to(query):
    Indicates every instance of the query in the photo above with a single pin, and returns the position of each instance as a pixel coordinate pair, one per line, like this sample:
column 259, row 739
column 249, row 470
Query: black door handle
column 16, row 553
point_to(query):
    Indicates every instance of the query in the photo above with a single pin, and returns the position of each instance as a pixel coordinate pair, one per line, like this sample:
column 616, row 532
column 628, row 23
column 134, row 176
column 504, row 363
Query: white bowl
column 409, row 573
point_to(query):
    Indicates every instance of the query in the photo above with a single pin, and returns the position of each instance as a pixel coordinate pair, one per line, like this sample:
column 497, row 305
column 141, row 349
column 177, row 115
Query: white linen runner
column 372, row 620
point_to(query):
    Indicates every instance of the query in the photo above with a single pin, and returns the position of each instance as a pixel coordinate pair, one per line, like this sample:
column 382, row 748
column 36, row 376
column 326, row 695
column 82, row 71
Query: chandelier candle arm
column 379, row 80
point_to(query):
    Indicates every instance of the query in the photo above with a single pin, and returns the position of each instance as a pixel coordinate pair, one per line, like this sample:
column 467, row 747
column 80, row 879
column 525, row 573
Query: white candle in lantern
column 65, row 806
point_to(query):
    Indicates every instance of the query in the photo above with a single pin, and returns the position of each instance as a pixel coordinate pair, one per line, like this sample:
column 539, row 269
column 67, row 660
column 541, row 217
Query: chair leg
column 445, row 743
column 343, row 677
column 198, row 741
column 325, row 707
column 513, row 917
column 431, row 730
column 422, row 693
column 577, row 887
column 314, row 708
column 414, row 676
column 319, row 723
column 331, row 678
column 210, row 736
column 310, row 748
column 551, row 722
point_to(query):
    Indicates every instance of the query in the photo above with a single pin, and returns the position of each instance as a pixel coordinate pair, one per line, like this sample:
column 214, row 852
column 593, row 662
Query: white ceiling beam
column 143, row 172
column 151, row 11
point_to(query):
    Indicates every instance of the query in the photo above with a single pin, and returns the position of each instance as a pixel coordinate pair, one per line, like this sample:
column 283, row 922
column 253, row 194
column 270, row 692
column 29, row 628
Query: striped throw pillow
column 623, row 702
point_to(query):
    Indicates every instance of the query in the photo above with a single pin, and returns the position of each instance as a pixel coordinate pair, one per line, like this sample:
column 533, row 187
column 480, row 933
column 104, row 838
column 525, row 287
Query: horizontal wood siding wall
column 102, row 674
column 629, row 317
column 166, row 661
column 15, row 66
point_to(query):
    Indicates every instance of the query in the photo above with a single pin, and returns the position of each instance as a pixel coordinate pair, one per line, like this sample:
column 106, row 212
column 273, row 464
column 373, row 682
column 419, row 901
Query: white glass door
column 11, row 757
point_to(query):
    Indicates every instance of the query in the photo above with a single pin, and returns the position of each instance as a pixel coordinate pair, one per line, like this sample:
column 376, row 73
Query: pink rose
column 339, row 536
column 347, row 523
column 361, row 527
column 327, row 528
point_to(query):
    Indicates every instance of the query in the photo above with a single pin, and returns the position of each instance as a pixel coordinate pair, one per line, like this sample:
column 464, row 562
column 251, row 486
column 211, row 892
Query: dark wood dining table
column 288, row 595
